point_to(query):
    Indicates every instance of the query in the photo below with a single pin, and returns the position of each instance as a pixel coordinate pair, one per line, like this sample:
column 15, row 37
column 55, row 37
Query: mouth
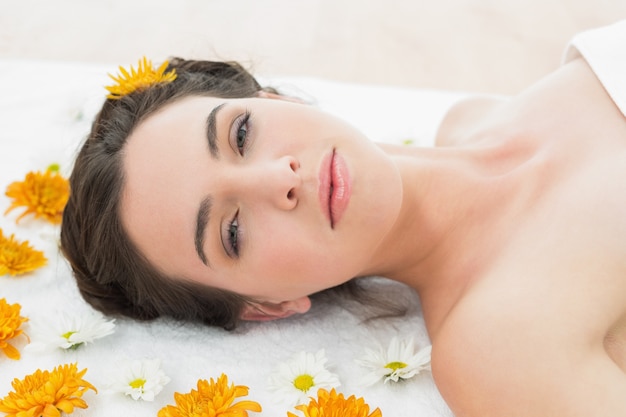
column 335, row 187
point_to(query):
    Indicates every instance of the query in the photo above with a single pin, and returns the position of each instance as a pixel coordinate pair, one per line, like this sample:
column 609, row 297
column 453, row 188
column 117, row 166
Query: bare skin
column 512, row 231
column 529, row 319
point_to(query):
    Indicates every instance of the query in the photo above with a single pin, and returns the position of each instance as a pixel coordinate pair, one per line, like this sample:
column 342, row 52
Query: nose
column 276, row 181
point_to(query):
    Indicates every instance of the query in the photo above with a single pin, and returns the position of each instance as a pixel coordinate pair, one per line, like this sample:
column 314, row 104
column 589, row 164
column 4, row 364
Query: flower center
column 68, row 335
column 74, row 345
column 137, row 383
column 394, row 366
column 303, row 382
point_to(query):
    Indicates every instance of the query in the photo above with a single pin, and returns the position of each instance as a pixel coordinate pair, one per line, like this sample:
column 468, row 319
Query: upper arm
column 505, row 367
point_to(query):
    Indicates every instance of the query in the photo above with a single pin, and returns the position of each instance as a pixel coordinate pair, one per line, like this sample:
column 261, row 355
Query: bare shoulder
column 490, row 360
column 543, row 332
column 464, row 117
column 568, row 99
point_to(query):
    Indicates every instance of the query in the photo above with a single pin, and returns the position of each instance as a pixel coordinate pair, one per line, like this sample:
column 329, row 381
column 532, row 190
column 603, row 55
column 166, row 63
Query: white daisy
column 140, row 379
column 70, row 331
column 301, row 377
column 398, row 362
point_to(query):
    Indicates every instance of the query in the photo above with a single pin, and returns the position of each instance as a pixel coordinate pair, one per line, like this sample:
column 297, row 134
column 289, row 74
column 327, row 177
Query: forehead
column 162, row 162
column 165, row 145
column 176, row 113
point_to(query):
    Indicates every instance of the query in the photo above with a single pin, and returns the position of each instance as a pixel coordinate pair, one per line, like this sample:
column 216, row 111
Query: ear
column 266, row 311
column 274, row 96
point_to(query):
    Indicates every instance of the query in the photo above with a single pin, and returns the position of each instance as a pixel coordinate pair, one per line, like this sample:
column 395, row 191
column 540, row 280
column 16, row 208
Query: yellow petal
column 67, row 406
column 143, row 77
column 51, row 411
column 11, row 352
column 377, row 413
column 248, row 405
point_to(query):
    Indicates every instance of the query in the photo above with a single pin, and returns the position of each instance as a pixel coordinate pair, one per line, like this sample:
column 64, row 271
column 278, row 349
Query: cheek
column 284, row 246
column 291, row 256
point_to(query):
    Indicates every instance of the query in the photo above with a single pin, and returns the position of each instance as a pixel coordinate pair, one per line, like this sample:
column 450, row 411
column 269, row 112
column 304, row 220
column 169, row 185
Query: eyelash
column 232, row 235
column 242, row 125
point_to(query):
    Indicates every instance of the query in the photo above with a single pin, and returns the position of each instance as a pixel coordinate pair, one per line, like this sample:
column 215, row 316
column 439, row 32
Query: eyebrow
column 204, row 210
column 202, row 219
column 211, row 131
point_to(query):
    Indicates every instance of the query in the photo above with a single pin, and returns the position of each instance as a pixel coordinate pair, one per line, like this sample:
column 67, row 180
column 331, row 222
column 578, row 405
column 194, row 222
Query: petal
column 11, row 352
column 248, row 405
column 376, row 413
column 66, row 406
column 50, row 411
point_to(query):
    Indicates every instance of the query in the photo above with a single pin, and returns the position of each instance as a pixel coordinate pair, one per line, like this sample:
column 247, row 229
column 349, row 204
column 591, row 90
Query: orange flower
column 47, row 394
column 10, row 322
column 43, row 194
column 212, row 399
column 331, row 404
column 143, row 77
column 18, row 257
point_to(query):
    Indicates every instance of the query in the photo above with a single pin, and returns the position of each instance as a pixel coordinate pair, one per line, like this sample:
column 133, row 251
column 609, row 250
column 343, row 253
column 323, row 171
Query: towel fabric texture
column 46, row 109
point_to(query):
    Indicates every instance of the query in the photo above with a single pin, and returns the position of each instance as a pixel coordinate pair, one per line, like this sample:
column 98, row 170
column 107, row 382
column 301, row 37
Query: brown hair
column 112, row 275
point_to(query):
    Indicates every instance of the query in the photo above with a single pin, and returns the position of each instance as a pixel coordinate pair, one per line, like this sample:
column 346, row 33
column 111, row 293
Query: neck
column 458, row 204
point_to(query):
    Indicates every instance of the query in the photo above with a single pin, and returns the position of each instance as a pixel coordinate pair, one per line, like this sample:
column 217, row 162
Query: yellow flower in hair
column 18, row 257
column 331, row 404
column 47, row 393
column 212, row 399
column 10, row 322
column 139, row 79
column 43, row 194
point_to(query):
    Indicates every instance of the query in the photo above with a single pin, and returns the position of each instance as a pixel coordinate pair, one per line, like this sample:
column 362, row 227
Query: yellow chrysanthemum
column 18, row 257
column 143, row 77
column 331, row 404
column 212, row 399
column 47, row 393
column 10, row 322
column 43, row 194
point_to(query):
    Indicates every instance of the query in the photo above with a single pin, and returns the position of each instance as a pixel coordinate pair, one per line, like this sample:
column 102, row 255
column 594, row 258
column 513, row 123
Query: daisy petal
column 300, row 377
column 140, row 379
column 398, row 362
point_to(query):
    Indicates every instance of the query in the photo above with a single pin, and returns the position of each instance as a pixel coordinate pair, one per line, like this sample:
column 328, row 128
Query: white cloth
column 604, row 49
column 46, row 109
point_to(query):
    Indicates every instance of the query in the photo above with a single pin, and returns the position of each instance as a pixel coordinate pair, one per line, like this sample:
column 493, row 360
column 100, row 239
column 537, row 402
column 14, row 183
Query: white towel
column 46, row 110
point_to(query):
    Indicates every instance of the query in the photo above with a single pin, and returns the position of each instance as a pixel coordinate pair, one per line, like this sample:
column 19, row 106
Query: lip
column 335, row 187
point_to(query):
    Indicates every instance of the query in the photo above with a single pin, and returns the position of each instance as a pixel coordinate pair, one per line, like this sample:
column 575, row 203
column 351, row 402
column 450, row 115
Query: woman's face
column 268, row 198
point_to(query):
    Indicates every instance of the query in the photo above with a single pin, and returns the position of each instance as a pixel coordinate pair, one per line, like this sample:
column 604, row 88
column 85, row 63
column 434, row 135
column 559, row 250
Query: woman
column 207, row 197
